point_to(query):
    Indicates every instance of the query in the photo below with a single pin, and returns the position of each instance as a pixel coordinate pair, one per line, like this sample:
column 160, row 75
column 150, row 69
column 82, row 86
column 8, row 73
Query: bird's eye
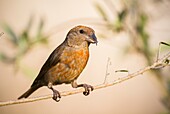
column 81, row 31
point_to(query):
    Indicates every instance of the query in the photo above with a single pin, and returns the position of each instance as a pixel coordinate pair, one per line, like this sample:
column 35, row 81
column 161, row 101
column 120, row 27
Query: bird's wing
column 52, row 60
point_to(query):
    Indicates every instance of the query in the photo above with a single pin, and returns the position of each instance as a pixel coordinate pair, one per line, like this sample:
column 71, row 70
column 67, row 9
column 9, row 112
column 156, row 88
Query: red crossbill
column 66, row 62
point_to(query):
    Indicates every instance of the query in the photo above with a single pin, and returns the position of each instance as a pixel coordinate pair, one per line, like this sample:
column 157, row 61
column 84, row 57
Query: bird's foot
column 56, row 95
column 87, row 88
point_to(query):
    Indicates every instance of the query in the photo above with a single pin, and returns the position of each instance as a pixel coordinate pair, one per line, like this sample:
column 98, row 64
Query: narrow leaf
column 121, row 71
column 101, row 11
column 165, row 43
column 10, row 32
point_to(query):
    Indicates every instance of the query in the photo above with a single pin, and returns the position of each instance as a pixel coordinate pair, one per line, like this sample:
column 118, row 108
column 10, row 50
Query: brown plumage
column 66, row 62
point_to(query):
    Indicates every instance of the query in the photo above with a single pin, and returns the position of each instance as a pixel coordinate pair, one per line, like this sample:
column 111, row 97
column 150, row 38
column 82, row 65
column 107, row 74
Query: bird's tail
column 29, row 92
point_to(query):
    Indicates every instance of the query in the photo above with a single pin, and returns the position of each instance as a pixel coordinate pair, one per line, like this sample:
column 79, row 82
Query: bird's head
column 81, row 35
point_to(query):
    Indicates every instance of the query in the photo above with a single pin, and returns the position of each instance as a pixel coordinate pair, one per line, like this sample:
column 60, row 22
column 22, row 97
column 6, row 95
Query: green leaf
column 122, row 15
column 40, row 29
column 13, row 37
column 166, row 47
column 165, row 43
column 25, row 35
column 29, row 25
column 102, row 12
column 3, row 56
column 23, row 45
column 121, row 71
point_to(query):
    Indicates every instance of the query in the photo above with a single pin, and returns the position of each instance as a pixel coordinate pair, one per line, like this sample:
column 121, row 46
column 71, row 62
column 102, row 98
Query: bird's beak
column 92, row 39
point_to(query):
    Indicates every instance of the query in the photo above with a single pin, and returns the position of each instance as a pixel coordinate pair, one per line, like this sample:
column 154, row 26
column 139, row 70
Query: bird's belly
column 69, row 67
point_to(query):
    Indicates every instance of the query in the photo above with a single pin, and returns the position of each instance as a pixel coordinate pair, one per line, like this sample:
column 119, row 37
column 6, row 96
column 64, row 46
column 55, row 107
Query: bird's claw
column 56, row 95
column 87, row 88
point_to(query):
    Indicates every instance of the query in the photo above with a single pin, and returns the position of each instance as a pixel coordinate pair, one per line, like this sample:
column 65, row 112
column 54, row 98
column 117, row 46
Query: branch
column 160, row 63
column 1, row 34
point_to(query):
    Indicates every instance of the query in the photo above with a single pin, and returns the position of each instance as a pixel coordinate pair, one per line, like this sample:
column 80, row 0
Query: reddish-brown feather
column 70, row 66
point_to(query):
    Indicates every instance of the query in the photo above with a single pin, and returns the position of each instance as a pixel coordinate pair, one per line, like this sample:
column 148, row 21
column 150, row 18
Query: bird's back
column 52, row 60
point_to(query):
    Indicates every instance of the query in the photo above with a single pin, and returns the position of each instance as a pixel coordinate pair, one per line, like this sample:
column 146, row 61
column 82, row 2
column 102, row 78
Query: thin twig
column 107, row 72
column 104, row 85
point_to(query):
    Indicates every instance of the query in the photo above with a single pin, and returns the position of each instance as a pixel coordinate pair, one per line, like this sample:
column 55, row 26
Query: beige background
column 140, row 95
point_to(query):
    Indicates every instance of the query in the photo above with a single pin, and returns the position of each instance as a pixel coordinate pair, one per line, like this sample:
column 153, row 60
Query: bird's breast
column 71, row 64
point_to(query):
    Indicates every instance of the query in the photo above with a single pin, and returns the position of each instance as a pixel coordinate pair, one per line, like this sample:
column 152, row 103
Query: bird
column 66, row 62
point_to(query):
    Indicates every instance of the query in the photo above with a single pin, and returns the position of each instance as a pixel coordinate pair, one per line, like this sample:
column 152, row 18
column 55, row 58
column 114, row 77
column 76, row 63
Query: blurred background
column 128, row 31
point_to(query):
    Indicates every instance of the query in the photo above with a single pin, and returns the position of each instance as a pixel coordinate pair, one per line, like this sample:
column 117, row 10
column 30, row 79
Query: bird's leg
column 86, row 87
column 56, row 94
